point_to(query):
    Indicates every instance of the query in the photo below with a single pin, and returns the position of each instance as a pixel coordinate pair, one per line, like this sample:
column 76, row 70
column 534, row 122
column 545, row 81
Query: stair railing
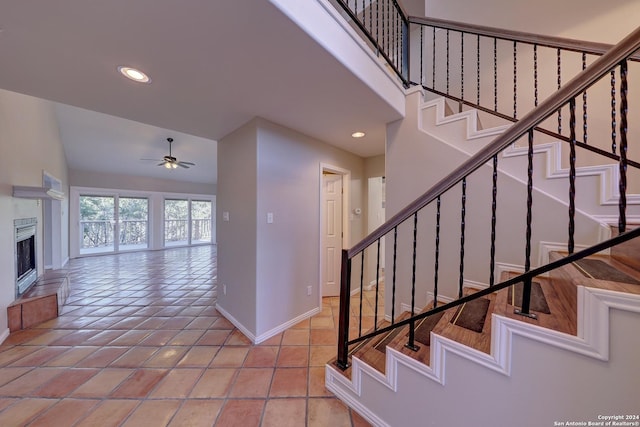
column 601, row 68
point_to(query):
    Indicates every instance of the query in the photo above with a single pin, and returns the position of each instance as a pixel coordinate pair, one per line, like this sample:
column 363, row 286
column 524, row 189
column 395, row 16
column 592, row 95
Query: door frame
column 346, row 179
column 52, row 226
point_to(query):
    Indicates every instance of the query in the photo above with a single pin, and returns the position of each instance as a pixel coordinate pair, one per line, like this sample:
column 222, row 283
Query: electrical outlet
column 309, row 290
column 224, row 289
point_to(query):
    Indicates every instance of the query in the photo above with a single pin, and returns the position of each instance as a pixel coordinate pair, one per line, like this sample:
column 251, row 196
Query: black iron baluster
column 355, row 9
column 433, row 63
column 526, row 289
column 378, row 27
column 412, row 325
column 370, row 17
column 622, row 185
column 393, row 292
column 559, row 85
column 515, row 80
column 572, row 173
column 375, row 314
column 461, row 70
column 361, row 293
column 495, row 75
column 613, row 111
column 478, row 69
column 342, row 360
column 463, row 211
column 447, row 62
column 437, row 264
column 584, row 103
column 535, row 75
column 389, row 19
column 494, row 204
column 422, row 80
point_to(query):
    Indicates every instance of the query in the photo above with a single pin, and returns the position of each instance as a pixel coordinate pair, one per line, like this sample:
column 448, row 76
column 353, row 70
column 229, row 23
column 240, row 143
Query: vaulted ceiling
column 214, row 65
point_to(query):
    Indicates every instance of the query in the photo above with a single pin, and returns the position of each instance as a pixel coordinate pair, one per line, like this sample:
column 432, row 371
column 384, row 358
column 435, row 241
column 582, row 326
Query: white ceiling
column 214, row 66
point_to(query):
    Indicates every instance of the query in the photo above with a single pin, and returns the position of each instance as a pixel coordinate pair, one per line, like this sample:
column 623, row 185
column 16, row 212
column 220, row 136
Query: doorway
column 54, row 254
column 334, row 227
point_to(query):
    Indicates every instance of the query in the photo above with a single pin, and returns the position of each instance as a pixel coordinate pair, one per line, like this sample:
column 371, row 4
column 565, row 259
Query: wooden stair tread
column 572, row 273
column 563, row 312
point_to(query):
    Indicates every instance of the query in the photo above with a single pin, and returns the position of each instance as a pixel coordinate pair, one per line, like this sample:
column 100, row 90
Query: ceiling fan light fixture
column 134, row 74
column 168, row 165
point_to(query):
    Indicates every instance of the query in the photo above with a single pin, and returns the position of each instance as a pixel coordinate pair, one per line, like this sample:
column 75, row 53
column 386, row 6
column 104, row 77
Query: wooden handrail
column 623, row 50
column 573, row 45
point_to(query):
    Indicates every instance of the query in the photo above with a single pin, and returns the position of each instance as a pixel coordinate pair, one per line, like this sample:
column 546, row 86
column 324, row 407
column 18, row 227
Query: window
column 200, row 221
column 133, row 219
column 187, row 222
column 176, row 222
column 97, row 221
column 104, row 217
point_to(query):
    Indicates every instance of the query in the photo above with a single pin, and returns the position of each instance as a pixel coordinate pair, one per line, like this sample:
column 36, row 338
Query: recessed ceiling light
column 134, row 74
column 357, row 134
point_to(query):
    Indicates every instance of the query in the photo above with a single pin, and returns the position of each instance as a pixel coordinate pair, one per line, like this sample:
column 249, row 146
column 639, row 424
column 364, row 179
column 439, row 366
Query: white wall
column 80, row 178
column 415, row 162
column 264, row 167
column 237, row 238
column 30, row 144
column 592, row 20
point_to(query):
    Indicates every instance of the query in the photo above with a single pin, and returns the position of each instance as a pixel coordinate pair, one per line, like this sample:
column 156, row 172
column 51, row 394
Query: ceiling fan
column 171, row 162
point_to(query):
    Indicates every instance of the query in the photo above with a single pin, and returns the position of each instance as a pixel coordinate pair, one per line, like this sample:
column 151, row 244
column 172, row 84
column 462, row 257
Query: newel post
column 343, row 321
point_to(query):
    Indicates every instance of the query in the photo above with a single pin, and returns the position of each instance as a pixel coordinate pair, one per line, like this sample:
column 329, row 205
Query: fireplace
column 26, row 266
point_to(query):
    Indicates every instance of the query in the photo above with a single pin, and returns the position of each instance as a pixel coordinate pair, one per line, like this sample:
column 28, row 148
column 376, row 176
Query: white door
column 331, row 233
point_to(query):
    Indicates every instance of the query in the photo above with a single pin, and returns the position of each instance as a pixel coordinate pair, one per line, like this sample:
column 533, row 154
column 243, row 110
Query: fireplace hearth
column 25, row 254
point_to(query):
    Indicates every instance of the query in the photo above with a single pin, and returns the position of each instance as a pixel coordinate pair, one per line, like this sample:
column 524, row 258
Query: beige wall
column 592, row 20
column 265, row 167
column 29, row 144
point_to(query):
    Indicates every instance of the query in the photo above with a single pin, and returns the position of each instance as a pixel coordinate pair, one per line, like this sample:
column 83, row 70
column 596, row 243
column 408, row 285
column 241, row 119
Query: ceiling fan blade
column 187, row 163
column 153, row 160
column 182, row 165
column 161, row 164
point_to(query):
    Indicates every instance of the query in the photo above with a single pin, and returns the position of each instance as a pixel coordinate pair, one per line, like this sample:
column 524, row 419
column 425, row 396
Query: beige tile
column 305, row 324
column 237, row 338
column 261, row 357
column 103, row 383
column 230, row 357
column 131, row 338
column 166, row 357
column 110, row 413
column 357, row 420
column 65, row 383
column 71, row 357
column 327, row 411
column 241, row 413
column 214, row 337
column 252, row 382
column 316, row 382
column 177, row 384
column 293, row 356
column 102, row 357
column 153, row 413
column 199, row 356
column 289, row 382
column 10, row 374
column 320, row 355
column 30, row 381
column 274, row 340
column 140, row 383
column 189, row 337
column 134, row 358
column 197, row 413
column 296, row 337
column 65, row 413
column 24, row 411
column 322, row 322
column 16, row 353
column 214, row 382
column 324, row 337
column 285, row 413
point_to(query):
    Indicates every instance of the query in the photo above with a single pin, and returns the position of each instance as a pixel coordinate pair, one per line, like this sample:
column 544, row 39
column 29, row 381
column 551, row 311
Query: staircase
column 512, row 288
column 583, row 323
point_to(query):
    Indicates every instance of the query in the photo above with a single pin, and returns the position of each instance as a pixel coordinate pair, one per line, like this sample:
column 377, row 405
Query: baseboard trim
column 270, row 333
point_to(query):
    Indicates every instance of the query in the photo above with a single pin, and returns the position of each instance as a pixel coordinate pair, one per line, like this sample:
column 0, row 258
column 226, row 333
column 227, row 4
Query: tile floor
column 139, row 343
